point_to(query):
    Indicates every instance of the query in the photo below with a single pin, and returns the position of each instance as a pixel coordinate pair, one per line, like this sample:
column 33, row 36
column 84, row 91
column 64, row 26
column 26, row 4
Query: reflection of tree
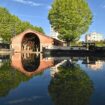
column 71, row 86
column 9, row 79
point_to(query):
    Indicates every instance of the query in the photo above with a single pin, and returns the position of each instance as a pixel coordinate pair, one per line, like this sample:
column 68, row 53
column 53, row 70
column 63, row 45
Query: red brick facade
column 45, row 41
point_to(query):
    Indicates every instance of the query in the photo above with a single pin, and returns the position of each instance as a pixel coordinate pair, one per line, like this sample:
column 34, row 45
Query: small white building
column 92, row 37
column 53, row 33
column 1, row 40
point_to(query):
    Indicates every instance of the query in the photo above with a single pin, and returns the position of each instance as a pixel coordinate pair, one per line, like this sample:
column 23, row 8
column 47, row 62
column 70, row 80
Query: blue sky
column 36, row 12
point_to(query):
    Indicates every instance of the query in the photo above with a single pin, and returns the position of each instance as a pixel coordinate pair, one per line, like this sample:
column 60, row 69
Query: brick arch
column 30, row 42
column 16, row 41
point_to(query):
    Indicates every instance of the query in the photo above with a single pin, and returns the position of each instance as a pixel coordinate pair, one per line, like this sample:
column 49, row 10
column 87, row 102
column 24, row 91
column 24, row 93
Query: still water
column 29, row 79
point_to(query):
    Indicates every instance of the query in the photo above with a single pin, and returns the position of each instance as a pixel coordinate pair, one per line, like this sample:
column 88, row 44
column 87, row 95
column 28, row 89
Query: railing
column 66, row 48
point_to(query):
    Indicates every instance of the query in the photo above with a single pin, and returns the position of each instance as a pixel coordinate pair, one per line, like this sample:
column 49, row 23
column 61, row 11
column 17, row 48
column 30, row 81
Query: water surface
column 29, row 79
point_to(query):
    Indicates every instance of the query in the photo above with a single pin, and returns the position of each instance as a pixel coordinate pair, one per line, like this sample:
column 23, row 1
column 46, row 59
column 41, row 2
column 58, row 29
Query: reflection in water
column 94, row 63
column 30, row 64
column 55, row 69
column 67, row 83
column 9, row 79
column 70, row 86
column 3, row 59
column 97, row 66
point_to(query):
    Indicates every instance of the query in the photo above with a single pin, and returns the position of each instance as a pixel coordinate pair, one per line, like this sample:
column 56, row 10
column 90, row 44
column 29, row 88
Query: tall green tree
column 11, row 25
column 70, row 18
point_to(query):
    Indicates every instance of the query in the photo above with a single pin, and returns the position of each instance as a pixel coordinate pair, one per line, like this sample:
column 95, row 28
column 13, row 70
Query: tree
column 70, row 18
column 70, row 86
column 11, row 25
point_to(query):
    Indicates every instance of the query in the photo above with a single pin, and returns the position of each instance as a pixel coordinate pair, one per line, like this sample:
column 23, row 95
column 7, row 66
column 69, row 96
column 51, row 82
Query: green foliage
column 70, row 86
column 76, row 43
column 70, row 18
column 10, row 78
column 11, row 25
column 100, row 43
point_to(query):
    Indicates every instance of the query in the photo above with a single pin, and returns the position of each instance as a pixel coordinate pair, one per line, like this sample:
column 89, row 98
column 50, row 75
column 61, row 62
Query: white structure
column 1, row 40
column 55, row 69
column 97, row 66
column 53, row 33
column 93, row 37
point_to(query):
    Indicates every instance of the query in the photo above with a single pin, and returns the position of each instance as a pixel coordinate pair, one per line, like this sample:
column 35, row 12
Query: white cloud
column 103, row 6
column 28, row 2
column 49, row 7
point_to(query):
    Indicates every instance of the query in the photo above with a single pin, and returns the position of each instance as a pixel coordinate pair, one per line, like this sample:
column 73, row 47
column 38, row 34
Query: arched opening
column 30, row 62
column 31, row 42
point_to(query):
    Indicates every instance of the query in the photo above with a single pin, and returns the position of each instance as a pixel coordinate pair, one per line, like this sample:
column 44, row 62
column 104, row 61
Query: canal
column 31, row 79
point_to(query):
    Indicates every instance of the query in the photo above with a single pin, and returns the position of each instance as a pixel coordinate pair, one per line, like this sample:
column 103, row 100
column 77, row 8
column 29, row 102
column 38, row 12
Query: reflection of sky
column 32, row 92
column 98, row 79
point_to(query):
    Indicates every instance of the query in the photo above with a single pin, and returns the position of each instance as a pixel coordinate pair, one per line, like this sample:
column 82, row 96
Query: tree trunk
column 69, row 63
column 68, row 43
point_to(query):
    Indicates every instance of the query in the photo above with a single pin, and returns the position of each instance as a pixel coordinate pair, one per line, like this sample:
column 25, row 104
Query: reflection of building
column 3, row 58
column 54, row 69
column 97, row 66
column 93, row 37
column 30, row 64
column 1, row 63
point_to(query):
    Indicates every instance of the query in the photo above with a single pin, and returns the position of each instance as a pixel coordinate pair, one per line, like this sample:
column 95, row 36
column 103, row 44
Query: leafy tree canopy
column 11, row 25
column 70, row 18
